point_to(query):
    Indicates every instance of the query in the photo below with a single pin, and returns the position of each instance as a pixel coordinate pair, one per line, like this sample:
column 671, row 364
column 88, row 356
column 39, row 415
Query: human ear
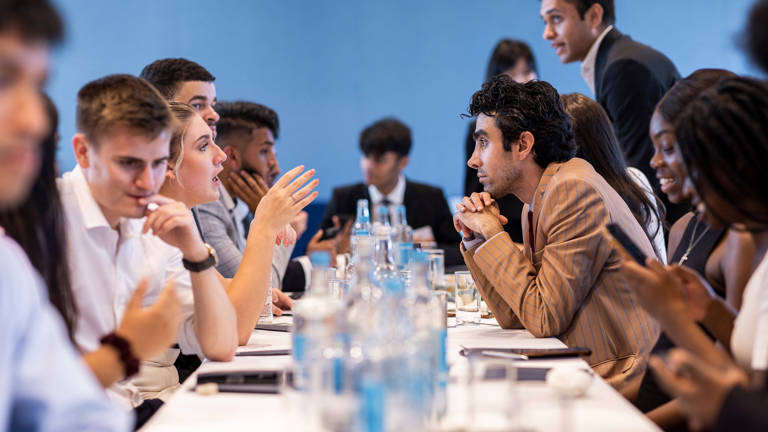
column 594, row 16
column 82, row 149
column 402, row 163
column 525, row 144
column 234, row 159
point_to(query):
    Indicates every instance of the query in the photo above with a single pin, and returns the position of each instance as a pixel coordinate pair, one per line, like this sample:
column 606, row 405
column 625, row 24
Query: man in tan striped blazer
column 564, row 281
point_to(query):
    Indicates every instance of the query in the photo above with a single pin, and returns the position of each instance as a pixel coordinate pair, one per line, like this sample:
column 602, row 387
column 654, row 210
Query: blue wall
column 331, row 67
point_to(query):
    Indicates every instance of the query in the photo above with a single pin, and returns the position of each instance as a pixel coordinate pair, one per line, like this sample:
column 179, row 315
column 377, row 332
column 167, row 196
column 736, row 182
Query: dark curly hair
column 241, row 117
column 686, row 90
column 389, row 134
column 723, row 139
column 31, row 19
column 535, row 107
column 168, row 74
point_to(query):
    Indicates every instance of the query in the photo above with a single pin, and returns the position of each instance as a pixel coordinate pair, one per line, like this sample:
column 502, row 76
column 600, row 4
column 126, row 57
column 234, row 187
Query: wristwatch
column 198, row 266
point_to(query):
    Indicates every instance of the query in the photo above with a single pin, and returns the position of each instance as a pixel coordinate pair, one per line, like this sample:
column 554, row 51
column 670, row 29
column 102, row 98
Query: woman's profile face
column 201, row 164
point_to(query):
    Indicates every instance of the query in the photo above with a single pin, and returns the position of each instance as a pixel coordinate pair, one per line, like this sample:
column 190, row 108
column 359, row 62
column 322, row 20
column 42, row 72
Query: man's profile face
column 382, row 170
column 569, row 34
column 23, row 122
column 258, row 155
column 124, row 170
column 201, row 95
column 497, row 169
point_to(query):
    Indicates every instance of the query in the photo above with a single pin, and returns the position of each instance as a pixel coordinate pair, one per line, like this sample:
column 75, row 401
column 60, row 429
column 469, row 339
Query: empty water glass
column 467, row 298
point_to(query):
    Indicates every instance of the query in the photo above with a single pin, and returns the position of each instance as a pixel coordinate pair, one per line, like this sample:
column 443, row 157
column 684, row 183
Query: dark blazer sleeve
column 630, row 92
column 442, row 226
column 331, row 209
column 743, row 410
column 445, row 234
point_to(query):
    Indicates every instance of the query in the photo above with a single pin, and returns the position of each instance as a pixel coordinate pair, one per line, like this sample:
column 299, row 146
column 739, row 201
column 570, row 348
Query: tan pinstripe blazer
column 572, row 288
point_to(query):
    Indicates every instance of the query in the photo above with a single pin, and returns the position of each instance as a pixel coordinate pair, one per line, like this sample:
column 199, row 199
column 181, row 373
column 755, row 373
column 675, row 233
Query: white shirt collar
column 588, row 65
column 395, row 197
column 93, row 216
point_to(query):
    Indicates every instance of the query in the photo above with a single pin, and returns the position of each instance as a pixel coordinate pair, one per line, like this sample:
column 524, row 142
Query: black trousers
column 145, row 411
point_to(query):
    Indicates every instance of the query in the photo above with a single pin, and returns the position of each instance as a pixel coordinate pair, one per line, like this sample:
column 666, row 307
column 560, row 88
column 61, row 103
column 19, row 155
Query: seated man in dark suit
column 385, row 146
column 627, row 77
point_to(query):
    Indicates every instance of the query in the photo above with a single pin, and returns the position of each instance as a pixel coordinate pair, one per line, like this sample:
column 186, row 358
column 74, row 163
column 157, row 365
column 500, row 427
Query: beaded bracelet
column 123, row 347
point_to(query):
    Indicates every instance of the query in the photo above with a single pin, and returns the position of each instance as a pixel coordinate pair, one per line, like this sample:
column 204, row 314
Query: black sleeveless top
column 705, row 244
column 650, row 395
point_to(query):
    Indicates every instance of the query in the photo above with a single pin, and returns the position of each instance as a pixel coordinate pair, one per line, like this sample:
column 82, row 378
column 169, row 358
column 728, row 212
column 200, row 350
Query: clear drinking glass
column 335, row 285
column 493, row 402
column 467, row 298
column 436, row 266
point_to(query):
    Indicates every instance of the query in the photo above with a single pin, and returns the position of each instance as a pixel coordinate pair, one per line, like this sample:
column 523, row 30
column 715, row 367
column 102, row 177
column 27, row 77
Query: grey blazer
column 217, row 227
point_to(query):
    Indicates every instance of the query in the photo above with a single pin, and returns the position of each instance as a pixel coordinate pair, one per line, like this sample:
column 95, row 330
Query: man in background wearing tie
column 564, row 282
column 386, row 145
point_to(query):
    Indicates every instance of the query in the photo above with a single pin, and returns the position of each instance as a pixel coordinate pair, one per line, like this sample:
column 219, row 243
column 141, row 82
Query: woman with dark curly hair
column 723, row 140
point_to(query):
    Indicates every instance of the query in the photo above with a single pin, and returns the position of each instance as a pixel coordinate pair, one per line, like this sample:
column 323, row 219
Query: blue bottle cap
column 320, row 259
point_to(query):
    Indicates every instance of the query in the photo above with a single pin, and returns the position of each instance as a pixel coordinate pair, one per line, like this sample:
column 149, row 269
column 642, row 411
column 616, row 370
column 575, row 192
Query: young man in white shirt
column 120, row 232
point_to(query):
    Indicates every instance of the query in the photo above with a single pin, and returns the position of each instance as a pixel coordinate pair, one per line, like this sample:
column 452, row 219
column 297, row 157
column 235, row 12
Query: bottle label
column 374, row 395
column 401, row 253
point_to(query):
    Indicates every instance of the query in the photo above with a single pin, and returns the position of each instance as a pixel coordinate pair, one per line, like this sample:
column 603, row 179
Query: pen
column 509, row 356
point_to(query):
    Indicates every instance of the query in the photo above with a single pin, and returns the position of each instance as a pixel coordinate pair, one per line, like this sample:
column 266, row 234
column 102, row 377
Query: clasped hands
column 479, row 214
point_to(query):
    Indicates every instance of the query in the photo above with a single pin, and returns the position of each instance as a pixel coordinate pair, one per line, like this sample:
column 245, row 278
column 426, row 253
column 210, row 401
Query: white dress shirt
column 659, row 244
column 106, row 266
column 45, row 384
column 395, row 197
column 588, row 64
column 749, row 339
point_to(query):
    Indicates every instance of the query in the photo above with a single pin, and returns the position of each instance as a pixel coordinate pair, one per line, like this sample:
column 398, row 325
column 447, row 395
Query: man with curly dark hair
column 563, row 282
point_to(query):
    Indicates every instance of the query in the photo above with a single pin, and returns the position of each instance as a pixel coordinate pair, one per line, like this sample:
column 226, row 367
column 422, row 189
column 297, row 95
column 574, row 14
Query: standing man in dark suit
column 627, row 77
column 385, row 146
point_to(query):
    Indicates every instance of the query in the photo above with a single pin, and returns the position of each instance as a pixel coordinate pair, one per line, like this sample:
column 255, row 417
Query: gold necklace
column 694, row 240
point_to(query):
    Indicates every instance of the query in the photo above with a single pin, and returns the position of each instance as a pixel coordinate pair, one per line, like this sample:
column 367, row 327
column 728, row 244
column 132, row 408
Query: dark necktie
column 531, row 234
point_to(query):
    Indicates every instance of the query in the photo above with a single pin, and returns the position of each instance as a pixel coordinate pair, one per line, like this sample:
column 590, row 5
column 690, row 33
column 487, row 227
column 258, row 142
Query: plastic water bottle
column 362, row 226
column 382, row 219
column 430, row 334
column 385, row 267
column 402, row 238
column 313, row 327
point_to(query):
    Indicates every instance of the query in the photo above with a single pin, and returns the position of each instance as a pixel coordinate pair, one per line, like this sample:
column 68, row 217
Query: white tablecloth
column 601, row 409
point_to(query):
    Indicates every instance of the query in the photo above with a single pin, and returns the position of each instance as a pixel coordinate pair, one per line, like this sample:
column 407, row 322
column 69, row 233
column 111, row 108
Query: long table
column 600, row 409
